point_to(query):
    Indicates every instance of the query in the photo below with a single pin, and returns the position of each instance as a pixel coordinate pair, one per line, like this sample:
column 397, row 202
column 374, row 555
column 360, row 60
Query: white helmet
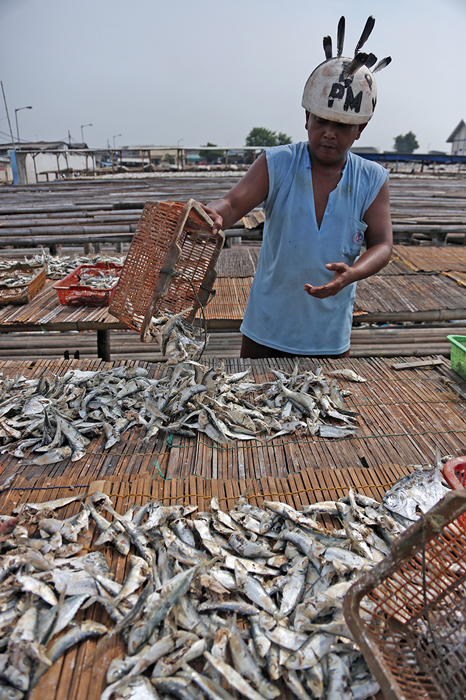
column 344, row 89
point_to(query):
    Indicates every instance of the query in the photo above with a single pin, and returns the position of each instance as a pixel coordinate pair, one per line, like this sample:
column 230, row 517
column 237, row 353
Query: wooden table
column 45, row 313
column 420, row 284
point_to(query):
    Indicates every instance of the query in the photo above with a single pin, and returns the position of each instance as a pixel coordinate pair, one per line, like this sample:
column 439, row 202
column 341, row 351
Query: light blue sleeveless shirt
column 280, row 314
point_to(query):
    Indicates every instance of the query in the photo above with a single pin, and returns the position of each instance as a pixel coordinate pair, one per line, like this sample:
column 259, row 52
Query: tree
column 264, row 137
column 283, row 139
column 407, row 143
column 210, row 156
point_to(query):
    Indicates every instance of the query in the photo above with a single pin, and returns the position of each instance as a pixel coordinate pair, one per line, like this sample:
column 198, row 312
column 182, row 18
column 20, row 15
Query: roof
column 455, row 132
column 42, row 146
column 364, row 149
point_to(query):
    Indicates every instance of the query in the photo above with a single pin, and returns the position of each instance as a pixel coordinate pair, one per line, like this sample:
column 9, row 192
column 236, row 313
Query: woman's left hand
column 342, row 277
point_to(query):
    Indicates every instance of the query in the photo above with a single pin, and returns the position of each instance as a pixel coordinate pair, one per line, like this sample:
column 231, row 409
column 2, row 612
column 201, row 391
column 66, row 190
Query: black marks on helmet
column 352, row 101
column 337, row 92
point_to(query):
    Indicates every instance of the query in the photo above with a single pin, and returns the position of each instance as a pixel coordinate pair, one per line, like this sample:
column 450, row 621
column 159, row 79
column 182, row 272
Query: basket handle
column 163, row 285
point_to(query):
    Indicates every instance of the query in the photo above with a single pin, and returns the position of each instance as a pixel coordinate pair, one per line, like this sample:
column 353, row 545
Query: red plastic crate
column 72, row 293
column 454, row 472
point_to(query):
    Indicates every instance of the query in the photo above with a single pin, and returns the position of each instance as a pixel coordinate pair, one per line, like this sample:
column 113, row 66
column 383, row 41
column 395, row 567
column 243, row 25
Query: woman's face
column 329, row 141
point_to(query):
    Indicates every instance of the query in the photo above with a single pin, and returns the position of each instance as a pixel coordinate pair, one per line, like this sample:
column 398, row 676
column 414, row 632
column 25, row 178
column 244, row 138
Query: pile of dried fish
column 252, row 596
column 98, row 279
column 17, row 278
column 233, row 407
column 58, row 267
column 54, row 415
column 6, row 264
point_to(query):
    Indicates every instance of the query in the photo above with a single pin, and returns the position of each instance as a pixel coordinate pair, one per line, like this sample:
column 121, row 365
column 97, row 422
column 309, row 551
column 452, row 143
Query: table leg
column 103, row 345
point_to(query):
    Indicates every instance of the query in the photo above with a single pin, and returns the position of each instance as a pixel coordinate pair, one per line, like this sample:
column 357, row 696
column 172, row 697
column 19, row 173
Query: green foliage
column 283, row 139
column 210, row 156
column 168, row 158
column 264, row 137
column 407, row 143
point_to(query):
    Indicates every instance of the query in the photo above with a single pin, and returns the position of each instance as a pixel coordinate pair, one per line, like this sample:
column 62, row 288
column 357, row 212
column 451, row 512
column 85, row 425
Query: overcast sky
column 168, row 72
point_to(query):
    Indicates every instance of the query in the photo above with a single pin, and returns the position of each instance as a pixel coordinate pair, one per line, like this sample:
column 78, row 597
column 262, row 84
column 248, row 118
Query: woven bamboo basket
column 169, row 266
column 25, row 293
column 408, row 614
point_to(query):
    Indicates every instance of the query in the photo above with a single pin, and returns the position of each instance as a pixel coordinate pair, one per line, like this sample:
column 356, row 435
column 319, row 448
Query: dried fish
column 278, row 570
column 416, row 493
column 59, row 412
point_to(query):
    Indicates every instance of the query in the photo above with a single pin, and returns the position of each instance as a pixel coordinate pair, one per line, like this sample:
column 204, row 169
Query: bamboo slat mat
column 432, row 259
column 396, row 266
column 405, row 260
column 230, row 300
column 459, row 277
column 404, row 416
column 380, row 294
column 303, row 488
column 45, row 309
column 242, row 262
column 421, row 292
column 238, row 262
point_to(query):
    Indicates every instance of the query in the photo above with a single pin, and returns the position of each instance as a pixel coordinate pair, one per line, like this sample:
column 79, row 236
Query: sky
column 188, row 72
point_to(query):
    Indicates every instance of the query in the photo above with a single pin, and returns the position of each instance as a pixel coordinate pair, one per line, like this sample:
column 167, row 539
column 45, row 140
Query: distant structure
column 458, row 140
column 42, row 161
column 362, row 150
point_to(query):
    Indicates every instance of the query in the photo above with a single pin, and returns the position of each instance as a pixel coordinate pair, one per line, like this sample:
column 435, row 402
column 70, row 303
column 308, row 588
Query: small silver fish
column 349, row 374
column 56, row 455
column 234, row 678
column 49, row 505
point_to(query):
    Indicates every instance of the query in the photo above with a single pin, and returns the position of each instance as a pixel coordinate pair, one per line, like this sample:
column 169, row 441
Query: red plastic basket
column 454, row 472
column 72, row 293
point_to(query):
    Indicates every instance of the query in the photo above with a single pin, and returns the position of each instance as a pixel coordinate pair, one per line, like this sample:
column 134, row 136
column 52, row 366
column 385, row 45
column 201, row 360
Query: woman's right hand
column 215, row 216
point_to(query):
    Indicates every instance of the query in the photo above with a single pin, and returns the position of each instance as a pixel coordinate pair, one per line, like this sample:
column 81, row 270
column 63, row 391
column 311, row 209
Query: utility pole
column 82, row 133
column 8, row 117
column 14, row 165
column 16, row 117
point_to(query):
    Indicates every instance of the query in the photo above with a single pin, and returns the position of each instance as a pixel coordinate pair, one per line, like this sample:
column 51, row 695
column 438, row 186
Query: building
column 47, row 160
column 6, row 173
column 362, row 150
column 458, row 140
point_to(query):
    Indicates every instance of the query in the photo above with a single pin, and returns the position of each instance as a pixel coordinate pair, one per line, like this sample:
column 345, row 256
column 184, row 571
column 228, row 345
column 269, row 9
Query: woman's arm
column 248, row 193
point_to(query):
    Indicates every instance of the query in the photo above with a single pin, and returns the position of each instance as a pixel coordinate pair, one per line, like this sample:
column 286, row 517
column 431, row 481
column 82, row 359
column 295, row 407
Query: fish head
column 398, row 502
